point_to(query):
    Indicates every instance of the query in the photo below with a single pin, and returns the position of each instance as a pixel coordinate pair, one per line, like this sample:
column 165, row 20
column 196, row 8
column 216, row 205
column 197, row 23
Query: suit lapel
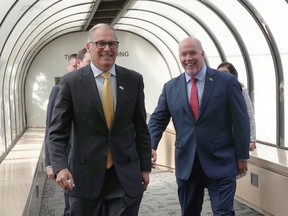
column 89, row 85
column 120, row 89
column 210, row 80
column 183, row 95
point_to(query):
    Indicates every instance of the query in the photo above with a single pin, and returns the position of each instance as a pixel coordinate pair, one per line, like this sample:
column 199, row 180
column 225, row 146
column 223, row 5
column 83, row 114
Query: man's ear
column 88, row 47
column 78, row 63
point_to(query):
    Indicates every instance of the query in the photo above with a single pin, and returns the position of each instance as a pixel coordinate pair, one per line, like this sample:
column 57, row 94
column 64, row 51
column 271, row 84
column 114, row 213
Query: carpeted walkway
column 160, row 199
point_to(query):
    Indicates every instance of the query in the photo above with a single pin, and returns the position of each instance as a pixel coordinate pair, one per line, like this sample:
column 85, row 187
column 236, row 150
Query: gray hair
column 98, row 26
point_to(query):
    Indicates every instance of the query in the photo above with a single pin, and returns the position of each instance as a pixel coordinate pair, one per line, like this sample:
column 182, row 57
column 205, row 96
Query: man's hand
column 154, row 158
column 242, row 167
column 252, row 146
column 65, row 180
column 145, row 179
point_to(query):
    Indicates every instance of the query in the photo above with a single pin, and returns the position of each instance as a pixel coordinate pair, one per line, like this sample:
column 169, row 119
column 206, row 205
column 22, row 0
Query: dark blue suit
column 209, row 146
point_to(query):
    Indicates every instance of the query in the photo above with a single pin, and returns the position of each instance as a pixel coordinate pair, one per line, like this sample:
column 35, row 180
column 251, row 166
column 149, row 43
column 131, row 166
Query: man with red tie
column 212, row 131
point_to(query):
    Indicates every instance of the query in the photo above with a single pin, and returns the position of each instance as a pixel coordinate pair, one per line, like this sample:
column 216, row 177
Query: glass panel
column 262, row 66
column 168, row 23
column 12, row 106
column 256, row 44
column 163, row 50
column 186, row 25
column 7, row 110
column 12, row 18
column 2, row 130
column 276, row 14
column 5, row 8
column 162, row 36
column 23, row 26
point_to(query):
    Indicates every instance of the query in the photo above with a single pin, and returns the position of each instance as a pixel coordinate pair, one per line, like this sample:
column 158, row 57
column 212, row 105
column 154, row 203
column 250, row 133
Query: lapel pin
column 210, row 79
column 121, row 87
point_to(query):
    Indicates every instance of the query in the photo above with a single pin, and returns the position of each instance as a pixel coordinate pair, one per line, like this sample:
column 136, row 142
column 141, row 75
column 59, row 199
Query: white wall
column 134, row 53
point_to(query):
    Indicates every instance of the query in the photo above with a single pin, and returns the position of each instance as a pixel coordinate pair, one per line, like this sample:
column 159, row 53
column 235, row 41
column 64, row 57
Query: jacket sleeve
column 50, row 108
column 251, row 115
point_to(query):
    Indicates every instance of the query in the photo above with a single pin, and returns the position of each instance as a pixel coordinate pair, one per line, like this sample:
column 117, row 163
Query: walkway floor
column 160, row 199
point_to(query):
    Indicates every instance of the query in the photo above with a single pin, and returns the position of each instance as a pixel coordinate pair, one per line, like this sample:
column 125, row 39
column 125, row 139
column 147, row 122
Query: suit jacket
column 221, row 132
column 50, row 108
column 78, row 103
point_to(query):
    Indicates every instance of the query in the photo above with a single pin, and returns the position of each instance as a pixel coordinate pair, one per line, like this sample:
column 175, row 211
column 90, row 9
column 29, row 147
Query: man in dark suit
column 96, row 189
column 211, row 147
column 83, row 58
column 71, row 66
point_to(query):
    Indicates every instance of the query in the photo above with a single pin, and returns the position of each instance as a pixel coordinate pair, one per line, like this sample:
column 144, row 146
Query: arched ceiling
column 242, row 30
column 27, row 26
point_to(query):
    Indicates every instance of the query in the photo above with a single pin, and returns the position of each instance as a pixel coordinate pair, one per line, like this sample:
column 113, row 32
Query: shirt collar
column 200, row 76
column 97, row 71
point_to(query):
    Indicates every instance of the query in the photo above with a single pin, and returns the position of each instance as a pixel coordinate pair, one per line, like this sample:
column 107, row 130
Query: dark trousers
column 112, row 202
column 67, row 206
column 191, row 193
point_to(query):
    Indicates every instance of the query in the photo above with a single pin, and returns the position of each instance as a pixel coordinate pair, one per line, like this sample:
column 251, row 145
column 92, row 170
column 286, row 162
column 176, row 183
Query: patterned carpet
column 160, row 199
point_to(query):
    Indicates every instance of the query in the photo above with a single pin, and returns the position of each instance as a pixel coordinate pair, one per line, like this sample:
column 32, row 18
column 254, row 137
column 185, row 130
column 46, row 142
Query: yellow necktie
column 108, row 108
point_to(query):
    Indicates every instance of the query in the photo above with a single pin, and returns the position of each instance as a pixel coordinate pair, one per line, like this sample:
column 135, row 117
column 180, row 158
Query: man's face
column 102, row 58
column 191, row 56
column 86, row 60
column 72, row 65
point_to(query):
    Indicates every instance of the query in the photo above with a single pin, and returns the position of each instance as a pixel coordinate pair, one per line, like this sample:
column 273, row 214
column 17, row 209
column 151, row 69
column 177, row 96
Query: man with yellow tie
column 108, row 168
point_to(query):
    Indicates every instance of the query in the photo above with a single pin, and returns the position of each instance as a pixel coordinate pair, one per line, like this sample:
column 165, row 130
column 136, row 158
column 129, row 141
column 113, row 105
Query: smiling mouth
column 191, row 64
column 106, row 55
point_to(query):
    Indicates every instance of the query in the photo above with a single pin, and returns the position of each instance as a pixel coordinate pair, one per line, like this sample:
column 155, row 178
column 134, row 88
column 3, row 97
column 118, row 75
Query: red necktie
column 194, row 104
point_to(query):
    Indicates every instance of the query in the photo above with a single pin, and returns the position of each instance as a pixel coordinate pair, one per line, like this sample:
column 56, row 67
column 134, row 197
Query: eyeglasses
column 102, row 44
